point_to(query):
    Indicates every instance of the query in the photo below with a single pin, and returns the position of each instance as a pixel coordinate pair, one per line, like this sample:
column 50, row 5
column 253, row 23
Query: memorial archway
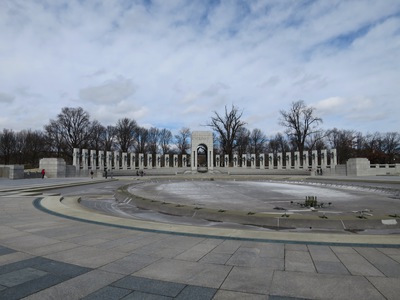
column 202, row 151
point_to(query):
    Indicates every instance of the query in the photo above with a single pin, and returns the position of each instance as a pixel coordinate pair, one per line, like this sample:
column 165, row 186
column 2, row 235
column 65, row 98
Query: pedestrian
column 91, row 174
column 43, row 173
column 105, row 174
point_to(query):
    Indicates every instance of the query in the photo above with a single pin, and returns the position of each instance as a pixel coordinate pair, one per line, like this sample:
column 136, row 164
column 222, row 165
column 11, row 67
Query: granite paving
column 49, row 256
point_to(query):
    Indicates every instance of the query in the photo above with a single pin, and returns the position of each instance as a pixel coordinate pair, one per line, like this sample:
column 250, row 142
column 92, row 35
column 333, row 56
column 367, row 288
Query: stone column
column 141, row 161
column 270, row 161
column 226, row 160
column 235, row 160
column 297, row 160
column 305, row 160
column 93, row 159
column 244, row 161
column 184, row 160
column 124, row 161
column 133, row 161
column 279, row 160
column 262, row 161
column 253, row 161
column 76, row 158
column 175, row 162
column 333, row 158
column 314, row 159
column 85, row 159
column 158, row 161
column 149, row 161
column 117, row 163
column 288, row 161
column 101, row 159
column 323, row 159
column 109, row 160
column 166, row 160
column 217, row 161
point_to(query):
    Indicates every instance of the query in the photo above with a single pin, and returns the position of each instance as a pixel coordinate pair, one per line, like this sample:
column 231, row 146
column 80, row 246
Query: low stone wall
column 12, row 171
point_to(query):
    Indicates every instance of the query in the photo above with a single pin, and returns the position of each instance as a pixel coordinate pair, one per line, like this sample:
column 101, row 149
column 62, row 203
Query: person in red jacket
column 43, row 173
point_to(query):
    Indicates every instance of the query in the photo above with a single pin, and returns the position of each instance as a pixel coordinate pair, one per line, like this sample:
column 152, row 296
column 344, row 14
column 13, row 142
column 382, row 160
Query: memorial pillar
column 175, row 162
column 184, row 160
column 262, row 161
column 141, row 161
column 305, row 160
column 166, row 161
column 288, row 161
column 253, row 161
column 75, row 158
column 133, row 161
column 158, row 161
column 109, row 160
column 297, row 160
column 235, row 160
column 101, row 159
column 85, row 159
column 124, row 161
column 314, row 157
column 324, row 159
column 226, row 160
column 244, row 161
column 217, row 161
column 93, row 161
column 117, row 163
column 270, row 161
column 149, row 161
column 279, row 161
column 333, row 158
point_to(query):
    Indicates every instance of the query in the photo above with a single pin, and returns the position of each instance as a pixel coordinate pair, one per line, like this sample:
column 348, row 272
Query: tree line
column 302, row 131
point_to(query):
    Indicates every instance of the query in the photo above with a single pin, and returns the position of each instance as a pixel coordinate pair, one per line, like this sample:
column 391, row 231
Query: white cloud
column 172, row 63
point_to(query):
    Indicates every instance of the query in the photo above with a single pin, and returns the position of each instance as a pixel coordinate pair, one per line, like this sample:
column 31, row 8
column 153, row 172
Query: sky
column 174, row 63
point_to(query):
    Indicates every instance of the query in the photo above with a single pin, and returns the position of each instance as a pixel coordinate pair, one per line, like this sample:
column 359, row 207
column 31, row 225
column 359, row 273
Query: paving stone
column 248, row 280
column 31, row 287
column 227, row 247
column 31, row 262
column 296, row 247
column 358, row 265
column 322, row 253
column 273, row 297
column 193, row 273
column 77, row 287
column 330, row 267
column 145, row 296
column 216, row 258
column 245, row 257
column 63, row 269
column 20, row 276
column 231, row 295
column 129, row 264
column 13, row 257
column 196, row 293
column 5, row 250
column 151, row 286
column 299, row 261
column 108, row 293
column 389, row 287
column 273, row 250
column 382, row 262
column 2, row 287
column 271, row 263
column 322, row 286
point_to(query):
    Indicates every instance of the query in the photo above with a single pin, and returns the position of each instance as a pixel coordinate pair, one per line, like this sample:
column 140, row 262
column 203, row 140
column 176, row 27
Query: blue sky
column 171, row 64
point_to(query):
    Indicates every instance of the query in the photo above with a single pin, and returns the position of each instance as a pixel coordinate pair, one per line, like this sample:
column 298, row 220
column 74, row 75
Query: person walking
column 43, row 173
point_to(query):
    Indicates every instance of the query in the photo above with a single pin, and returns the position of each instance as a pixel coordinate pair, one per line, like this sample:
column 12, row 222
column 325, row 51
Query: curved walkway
column 46, row 256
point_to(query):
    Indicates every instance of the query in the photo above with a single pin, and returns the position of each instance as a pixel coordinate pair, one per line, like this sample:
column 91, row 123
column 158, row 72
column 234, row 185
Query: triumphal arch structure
column 202, row 156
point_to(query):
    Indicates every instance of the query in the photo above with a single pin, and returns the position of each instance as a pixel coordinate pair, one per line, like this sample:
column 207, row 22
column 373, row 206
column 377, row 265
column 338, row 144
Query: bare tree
column 165, row 140
column 141, row 139
column 242, row 142
column 257, row 141
column 7, row 145
column 125, row 133
column 227, row 126
column 75, row 128
column 153, row 138
column 300, row 123
column 392, row 146
column 344, row 142
column 182, row 140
